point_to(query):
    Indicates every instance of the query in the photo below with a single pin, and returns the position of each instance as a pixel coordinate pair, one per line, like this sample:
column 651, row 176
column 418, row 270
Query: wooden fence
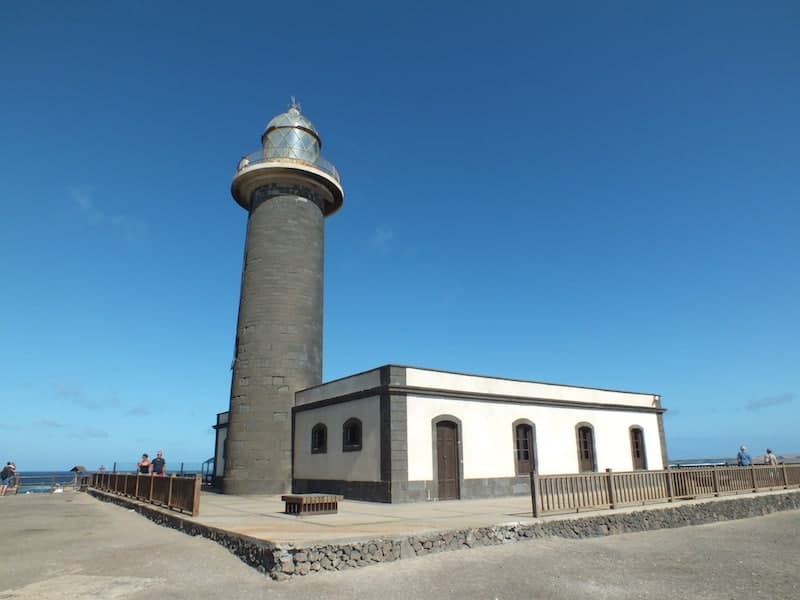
column 173, row 492
column 571, row 493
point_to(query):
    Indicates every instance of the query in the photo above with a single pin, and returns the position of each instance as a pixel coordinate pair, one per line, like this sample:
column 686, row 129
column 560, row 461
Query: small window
column 586, row 460
column 637, row 449
column 351, row 435
column 319, row 439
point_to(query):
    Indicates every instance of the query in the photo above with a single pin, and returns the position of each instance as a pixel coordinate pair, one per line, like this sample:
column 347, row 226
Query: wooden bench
column 311, row 504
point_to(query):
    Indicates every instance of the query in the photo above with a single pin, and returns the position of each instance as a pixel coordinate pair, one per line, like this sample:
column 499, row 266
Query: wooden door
column 447, row 460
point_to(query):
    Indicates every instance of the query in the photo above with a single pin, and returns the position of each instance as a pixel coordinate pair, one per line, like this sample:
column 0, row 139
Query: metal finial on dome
column 294, row 104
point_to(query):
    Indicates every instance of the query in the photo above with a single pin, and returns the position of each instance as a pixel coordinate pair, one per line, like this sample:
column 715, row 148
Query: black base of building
column 370, row 491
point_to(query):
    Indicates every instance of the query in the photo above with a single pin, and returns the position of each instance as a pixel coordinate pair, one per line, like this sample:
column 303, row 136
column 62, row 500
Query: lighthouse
column 287, row 189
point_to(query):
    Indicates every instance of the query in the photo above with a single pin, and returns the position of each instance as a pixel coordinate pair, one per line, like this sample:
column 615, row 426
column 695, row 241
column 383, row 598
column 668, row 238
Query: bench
column 311, row 504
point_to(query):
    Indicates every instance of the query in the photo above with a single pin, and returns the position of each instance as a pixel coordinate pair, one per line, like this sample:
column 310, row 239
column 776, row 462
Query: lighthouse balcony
column 258, row 157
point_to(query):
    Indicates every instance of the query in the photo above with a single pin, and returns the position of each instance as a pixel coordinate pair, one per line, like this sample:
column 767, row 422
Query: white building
column 405, row 434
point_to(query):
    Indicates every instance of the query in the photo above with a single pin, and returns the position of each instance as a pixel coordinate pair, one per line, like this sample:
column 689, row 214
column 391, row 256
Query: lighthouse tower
column 287, row 189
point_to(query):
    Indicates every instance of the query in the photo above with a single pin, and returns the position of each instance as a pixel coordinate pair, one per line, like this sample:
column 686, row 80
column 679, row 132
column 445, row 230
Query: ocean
column 38, row 482
column 44, row 482
column 701, row 462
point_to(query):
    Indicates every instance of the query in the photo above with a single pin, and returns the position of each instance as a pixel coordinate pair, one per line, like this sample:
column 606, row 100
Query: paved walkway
column 262, row 517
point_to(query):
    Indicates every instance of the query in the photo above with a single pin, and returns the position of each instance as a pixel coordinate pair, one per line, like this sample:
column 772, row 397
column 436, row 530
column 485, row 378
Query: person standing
column 770, row 458
column 6, row 478
column 743, row 458
column 143, row 466
column 158, row 466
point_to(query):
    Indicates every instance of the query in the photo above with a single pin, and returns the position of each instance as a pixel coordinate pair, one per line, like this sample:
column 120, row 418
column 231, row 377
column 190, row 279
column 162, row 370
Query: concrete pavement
column 72, row 546
column 262, row 517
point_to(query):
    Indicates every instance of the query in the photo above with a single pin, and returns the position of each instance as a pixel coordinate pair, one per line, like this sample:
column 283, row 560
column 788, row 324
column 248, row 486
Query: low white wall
column 488, row 439
column 506, row 387
column 363, row 465
column 340, row 387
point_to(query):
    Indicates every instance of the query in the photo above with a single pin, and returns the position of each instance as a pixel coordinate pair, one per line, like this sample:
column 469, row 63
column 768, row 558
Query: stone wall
column 281, row 561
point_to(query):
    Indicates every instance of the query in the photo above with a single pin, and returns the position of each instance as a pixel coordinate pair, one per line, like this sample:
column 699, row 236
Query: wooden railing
column 585, row 491
column 174, row 492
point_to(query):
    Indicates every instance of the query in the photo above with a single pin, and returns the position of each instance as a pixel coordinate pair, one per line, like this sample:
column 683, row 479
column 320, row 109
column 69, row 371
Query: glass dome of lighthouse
column 291, row 135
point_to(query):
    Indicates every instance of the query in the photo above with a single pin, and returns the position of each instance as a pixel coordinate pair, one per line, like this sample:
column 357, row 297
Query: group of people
column 157, row 466
column 8, row 477
column 743, row 459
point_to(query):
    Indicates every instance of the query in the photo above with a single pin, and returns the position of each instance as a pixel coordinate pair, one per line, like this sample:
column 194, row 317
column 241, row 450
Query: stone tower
column 287, row 189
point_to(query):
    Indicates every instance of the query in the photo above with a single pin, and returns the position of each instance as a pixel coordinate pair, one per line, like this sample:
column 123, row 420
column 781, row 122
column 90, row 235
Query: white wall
column 339, row 387
column 488, row 438
column 219, row 464
column 363, row 465
column 506, row 387
column 219, row 443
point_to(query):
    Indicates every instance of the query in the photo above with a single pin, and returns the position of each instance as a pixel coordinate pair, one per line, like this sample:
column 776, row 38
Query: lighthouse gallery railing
column 321, row 163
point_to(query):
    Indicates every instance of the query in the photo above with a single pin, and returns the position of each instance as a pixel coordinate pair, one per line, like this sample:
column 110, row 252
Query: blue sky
column 600, row 194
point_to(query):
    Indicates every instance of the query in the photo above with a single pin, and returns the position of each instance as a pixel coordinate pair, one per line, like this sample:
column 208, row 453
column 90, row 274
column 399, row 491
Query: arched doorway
column 447, row 474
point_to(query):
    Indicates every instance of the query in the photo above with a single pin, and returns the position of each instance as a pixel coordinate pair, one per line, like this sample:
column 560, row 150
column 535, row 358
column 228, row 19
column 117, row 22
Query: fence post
column 196, row 496
column 535, row 492
column 150, row 497
column 785, row 476
column 114, row 469
column 610, row 484
column 169, row 492
column 715, row 476
column 753, row 477
column 136, row 489
column 670, row 491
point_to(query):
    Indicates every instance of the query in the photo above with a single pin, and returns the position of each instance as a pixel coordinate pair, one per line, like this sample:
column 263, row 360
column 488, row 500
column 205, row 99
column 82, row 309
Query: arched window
column 586, row 455
column 637, row 448
column 319, row 439
column 524, row 448
column 351, row 435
